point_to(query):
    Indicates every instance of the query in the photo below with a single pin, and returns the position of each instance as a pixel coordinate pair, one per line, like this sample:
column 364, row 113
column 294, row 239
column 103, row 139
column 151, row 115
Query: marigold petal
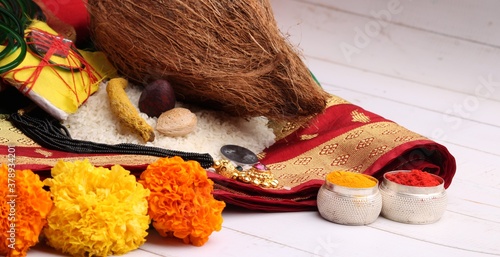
column 181, row 201
column 23, row 213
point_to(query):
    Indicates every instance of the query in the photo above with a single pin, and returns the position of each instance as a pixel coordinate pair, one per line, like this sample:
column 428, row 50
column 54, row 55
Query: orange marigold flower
column 181, row 201
column 23, row 212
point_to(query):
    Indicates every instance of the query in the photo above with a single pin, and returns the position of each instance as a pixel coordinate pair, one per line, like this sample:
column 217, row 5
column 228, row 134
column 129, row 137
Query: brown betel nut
column 157, row 98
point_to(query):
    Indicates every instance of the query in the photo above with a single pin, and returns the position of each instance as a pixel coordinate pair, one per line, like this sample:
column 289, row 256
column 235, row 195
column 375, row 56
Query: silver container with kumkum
column 408, row 201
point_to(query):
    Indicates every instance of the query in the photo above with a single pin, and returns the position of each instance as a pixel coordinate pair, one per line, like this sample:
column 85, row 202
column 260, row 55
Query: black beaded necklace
column 51, row 134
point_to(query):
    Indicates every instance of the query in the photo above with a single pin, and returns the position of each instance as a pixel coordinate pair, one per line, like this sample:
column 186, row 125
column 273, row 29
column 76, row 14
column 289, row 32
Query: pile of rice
column 95, row 122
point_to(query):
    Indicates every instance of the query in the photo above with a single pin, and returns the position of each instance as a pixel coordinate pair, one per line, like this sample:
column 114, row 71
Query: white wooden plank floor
column 432, row 66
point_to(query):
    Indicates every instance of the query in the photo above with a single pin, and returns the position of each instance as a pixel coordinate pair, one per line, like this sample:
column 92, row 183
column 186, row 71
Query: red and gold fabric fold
column 344, row 137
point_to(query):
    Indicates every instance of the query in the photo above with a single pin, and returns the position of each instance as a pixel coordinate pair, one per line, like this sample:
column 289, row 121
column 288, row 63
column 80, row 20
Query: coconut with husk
column 224, row 55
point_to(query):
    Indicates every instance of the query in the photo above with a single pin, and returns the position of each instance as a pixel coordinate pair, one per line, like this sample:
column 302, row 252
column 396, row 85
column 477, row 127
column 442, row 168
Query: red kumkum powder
column 414, row 178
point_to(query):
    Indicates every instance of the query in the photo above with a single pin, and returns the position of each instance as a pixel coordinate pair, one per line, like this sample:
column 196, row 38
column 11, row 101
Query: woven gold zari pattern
column 355, row 151
column 10, row 135
column 283, row 129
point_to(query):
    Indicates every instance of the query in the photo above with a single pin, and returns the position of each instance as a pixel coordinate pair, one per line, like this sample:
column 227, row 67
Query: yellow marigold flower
column 97, row 211
column 181, row 201
column 23, row 210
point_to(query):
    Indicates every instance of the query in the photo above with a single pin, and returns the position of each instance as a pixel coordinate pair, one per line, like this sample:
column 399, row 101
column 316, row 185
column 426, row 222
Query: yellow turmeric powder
column 351, row 179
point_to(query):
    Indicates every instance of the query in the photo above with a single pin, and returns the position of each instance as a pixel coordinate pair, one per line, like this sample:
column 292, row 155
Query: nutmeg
column 176, row 122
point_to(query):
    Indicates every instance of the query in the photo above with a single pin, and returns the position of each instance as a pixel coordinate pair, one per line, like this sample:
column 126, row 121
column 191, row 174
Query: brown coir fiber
column 221, row 54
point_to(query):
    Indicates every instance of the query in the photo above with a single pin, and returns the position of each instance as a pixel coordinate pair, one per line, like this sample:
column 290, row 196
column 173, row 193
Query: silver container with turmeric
column 349, row 198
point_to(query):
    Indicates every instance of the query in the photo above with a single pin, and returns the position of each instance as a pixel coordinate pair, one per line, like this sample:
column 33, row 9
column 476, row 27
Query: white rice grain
column 95, row 122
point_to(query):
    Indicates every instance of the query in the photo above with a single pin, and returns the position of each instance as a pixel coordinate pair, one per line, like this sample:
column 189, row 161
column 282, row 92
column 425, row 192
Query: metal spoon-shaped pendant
column 239, row 154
